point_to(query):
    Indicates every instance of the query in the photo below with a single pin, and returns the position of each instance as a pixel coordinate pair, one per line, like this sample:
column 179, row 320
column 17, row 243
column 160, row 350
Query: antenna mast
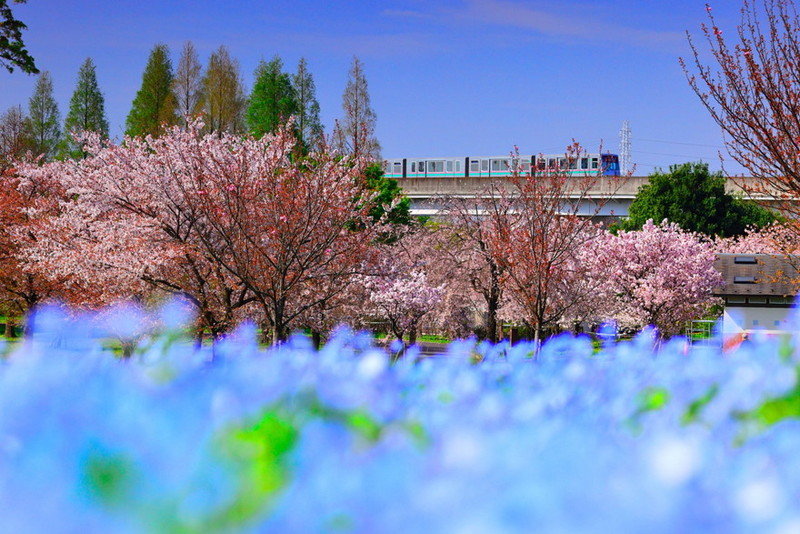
column 625, row 147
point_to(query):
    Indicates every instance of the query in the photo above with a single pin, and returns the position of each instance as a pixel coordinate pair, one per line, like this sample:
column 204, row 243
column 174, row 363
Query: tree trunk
column 267, row 334
column 128, row 346
column 10, row 328
column 412, row 336
column 492, row 306
column 28, row 327
column 278, row 325
column 316, row 339
column 199, row 332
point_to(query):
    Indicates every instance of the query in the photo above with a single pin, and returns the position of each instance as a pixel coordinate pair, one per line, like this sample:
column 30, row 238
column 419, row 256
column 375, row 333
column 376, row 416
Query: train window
column 473, row 165
column 413, row 166
column 562, row 163
column 458, row 166
column 584, row 163
column 525, row 166
column 540, row 163
column 551, row 163
column 594, row 163
column 398, row 168
column 484, row 165
column 496, row 164
column 421, row 166
column 450, row 166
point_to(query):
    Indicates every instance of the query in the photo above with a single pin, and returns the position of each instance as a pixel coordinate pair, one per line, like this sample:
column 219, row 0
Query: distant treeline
column 171, row 96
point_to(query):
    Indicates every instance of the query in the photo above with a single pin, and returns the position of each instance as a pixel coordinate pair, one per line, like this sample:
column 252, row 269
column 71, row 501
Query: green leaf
column 695, row 409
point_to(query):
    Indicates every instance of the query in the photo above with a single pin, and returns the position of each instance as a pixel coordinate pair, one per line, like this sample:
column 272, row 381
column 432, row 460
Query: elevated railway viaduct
column 608, row 197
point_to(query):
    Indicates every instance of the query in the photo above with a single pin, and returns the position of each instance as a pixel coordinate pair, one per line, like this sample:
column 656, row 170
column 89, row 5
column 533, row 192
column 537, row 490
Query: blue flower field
column 639, row 437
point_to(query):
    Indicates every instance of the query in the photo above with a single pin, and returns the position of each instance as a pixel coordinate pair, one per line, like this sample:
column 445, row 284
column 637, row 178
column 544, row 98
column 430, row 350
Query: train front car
column 611, row 165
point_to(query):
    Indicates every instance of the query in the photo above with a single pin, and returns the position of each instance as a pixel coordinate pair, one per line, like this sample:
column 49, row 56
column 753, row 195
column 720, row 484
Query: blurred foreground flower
column 170, row 436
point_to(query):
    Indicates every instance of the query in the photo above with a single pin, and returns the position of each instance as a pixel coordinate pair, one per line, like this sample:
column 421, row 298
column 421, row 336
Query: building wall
column 737, row 319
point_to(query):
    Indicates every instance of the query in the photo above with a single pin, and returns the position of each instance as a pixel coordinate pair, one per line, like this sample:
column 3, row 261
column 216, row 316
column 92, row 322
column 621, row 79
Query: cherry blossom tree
column 776, row 238
column 585, row 295
column 660, row 275
column 225, row 221
column 540, row 224
column 400, row 291
column 748, row 82
column 293, row 232
column 123, row 228
column 468, row 234
column 26, row 207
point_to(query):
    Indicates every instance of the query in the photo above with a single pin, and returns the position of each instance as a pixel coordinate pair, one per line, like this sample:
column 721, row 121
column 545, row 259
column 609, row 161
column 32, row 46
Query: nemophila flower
column 644, row 435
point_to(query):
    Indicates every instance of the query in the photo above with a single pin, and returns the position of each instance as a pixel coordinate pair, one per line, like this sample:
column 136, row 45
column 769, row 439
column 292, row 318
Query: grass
column 427, row 338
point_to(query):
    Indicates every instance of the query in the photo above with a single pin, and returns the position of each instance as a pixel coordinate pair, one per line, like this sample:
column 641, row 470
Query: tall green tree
column 44, row 120
column 272, row 101
column 355, row 133
column 224, row 102
column 12, row 49
column 309, row 126
column 187, row 86
column 154, row 107
column 694, row 198
column 86, row 111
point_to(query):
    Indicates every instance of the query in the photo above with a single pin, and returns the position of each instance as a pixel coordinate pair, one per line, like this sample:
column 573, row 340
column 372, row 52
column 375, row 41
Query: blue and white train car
column 499, row 166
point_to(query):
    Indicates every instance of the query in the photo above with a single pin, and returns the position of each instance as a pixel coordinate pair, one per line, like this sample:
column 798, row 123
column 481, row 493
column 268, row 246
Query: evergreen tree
column 188, row 84
column 12, row 49
column 272, row 101
column 153, row 109
column 309, row 127
column 224, row 102
column 44, row 119
column 694, row 198
column 355, row 134
column 86, row 110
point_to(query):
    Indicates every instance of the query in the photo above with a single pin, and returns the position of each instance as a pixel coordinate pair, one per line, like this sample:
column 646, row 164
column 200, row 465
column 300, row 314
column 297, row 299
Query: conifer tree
column 86, row 110
column 153, row 109
column 44, row 120
column 188, row 84
column 224, row 101
column 309, row 127
column 355, row 133
column 13, row 53
column 272, row 101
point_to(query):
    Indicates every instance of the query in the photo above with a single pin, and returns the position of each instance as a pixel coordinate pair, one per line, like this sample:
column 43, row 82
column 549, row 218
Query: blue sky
column 449, row 78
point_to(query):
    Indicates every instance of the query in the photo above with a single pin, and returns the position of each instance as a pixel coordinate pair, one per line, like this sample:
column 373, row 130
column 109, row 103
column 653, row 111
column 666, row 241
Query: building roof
column 758, row 274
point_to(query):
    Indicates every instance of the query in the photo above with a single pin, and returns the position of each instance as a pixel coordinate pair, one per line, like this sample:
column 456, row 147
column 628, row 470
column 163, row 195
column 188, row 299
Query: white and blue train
column 486, row 167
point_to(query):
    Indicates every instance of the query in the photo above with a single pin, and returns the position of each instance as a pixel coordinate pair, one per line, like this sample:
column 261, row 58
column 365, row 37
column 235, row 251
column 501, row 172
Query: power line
column 678, row 143
column 701, row 158
column 640, row 164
